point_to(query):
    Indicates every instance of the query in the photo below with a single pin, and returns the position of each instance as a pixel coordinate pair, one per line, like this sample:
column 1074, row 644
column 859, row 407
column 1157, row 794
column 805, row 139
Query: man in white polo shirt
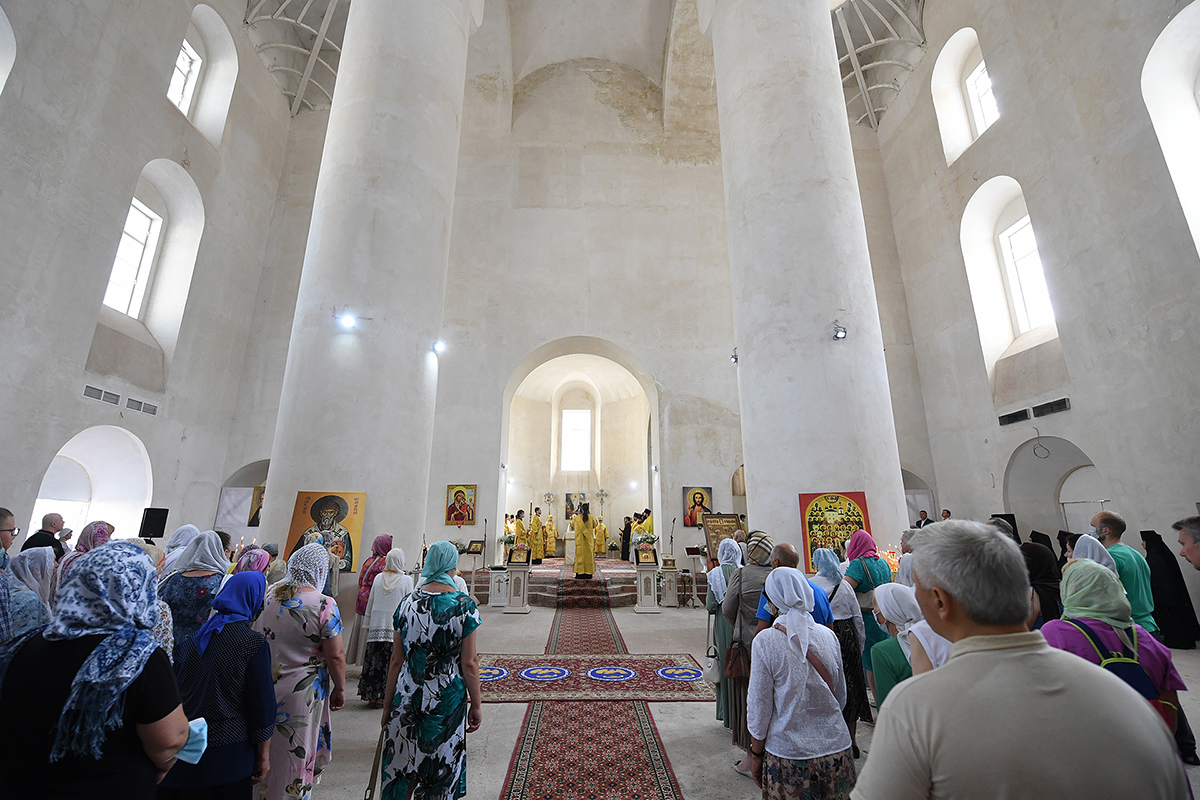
column 1008, row 715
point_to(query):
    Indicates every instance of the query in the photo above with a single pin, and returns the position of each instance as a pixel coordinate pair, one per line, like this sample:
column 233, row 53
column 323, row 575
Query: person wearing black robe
column 626, row 535
column 1063, row 536
column 1176, row 619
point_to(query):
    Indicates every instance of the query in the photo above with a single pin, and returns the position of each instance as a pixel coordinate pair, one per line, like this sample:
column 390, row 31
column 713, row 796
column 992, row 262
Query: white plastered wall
column 83, row 111
column 1120, row 264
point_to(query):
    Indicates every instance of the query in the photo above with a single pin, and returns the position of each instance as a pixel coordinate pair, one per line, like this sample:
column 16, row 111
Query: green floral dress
column 302, row 745
column 426, row 740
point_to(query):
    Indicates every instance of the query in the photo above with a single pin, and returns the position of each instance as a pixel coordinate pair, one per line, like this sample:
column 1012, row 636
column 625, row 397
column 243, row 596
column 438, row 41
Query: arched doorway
column 580, row 418
column 240, row 506
column 101, row 473
column 1052, row 485
column 918, row 497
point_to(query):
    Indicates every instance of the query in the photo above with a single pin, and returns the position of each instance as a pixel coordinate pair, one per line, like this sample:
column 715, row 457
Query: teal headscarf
column 439, row 560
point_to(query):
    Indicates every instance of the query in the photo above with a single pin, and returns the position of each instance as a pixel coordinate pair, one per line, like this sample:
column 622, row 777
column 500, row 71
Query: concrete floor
column 697, row 745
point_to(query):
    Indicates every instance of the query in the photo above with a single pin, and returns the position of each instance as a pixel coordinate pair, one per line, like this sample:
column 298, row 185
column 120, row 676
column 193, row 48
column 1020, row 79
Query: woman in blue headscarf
column 92, row 693
column 224, row 673
column 434, row 669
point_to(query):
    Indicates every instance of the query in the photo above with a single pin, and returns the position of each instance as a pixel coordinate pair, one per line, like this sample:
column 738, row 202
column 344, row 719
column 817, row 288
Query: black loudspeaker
column 154, row 523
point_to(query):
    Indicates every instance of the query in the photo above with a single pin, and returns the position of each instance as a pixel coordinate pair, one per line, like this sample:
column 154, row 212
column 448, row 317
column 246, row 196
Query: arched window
column 1004, row 268
column 8, row 49
column 1171, row 89
column 205, row 73
column 963, row 99
column 152, row 271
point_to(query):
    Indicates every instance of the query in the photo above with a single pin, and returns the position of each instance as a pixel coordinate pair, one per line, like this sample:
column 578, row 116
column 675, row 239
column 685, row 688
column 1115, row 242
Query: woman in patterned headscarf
column 92, row 536
column 370, row 569
column 92, row 693
column 30, row 575
column 304, row 629
column 740, row 607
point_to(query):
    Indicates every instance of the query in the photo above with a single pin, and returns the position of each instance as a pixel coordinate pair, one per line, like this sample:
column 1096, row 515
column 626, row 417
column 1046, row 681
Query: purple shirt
column 1155, row 658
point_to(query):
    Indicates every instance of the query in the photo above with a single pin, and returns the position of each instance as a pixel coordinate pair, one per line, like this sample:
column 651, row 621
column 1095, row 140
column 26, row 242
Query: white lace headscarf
column 308, row 566
column 34, row 569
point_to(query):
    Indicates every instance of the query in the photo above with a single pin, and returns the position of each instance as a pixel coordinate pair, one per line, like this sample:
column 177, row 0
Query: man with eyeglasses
column 8, row 532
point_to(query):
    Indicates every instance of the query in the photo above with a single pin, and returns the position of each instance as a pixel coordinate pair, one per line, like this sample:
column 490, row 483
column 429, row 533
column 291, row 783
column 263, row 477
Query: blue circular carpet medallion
column 492, row 673
column 684, row 674
column 544, row 673
column 611, row 674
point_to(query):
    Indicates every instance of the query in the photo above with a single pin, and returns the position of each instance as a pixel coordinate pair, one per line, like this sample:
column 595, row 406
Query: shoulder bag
column 712, row 664
column 737, row 658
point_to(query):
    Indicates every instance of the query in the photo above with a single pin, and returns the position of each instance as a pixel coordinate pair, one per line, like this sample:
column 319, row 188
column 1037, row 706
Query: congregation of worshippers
column 987, row 666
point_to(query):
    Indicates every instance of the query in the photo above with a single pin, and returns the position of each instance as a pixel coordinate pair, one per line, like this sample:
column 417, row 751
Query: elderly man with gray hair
column 1008, row 715
column 1189, row 539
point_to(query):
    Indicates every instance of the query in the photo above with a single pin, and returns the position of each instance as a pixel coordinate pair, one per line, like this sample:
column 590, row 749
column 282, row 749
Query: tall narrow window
column 984, row 111
column 1026, row 281
column 135, row 255
column 576, row 440
column 185, row 77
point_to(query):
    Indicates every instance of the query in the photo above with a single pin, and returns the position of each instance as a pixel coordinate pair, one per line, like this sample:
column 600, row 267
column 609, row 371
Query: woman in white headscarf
column 304, row 629
column 192, row 583
column 896, row 610
column 800, row 746
column 848, row 627
column 729, row 559
column 1089, row 547
column 180, row 539
column 390, row 587
column 30, row 579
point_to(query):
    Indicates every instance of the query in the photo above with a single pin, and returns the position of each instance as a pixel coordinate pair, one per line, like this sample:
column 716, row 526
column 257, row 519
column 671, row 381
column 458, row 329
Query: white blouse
column 844, row 605
column 789, row 705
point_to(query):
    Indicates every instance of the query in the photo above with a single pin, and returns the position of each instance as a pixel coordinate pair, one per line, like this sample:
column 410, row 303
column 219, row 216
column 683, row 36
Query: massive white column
column 357, row 408
column 815, row 412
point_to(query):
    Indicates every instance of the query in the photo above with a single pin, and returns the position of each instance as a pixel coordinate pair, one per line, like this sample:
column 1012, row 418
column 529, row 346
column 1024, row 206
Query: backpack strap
column 1099, row 646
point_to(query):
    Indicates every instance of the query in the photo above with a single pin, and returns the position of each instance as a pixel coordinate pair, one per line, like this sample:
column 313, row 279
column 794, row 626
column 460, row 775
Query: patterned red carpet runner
column 589, row 750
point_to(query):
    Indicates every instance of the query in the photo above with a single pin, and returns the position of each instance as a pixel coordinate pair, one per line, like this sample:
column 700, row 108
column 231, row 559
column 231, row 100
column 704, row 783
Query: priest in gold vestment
column 584, row 525
column 551, row 537
column 601, row 538
column 537, row 536
column 518, row 523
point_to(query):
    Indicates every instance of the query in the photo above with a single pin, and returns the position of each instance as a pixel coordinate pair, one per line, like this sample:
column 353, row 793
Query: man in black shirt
column 51, row 524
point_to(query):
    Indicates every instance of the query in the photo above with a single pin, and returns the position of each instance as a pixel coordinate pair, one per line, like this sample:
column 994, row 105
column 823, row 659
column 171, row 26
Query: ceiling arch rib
column 879, row 41
column 299, row 43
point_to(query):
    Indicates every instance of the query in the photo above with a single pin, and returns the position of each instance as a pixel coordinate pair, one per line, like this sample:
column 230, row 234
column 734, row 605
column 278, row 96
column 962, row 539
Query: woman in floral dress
column 304, row 629
column 435, row 667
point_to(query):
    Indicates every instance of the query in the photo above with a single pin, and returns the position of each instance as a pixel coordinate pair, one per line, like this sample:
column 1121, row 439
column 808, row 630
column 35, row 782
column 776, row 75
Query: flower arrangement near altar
column 644, row 539
column 508, row 539
column 614, row 547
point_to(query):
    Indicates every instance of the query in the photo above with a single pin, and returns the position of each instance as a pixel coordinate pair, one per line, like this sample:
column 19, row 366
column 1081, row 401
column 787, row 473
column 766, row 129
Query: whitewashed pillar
column 816, row 413
column 357, row 408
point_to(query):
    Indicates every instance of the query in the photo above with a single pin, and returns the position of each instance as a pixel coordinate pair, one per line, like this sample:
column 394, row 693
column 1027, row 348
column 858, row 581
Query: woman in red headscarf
column 367, row 573
column 865, row 572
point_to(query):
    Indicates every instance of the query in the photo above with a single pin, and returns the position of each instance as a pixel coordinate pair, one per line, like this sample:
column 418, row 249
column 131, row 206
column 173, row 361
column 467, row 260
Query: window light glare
column 984, row 111
column 185, row 77
column 576, row 440
column 135, row 255
column 347, row 321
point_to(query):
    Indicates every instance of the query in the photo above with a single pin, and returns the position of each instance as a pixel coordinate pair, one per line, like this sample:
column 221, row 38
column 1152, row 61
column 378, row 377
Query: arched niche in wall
column 102, row 473
column 138, row 348
column 959, row 123
column 8, row 49
column 1171, row 89
column 629, row 409
column 1017, row 333
column 240, row 504
column 217, row 76
column 1038, row 470
column 918, row 496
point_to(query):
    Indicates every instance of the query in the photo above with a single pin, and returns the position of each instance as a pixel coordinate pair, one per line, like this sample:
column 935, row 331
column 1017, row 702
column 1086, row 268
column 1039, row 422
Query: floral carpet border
column 647, row 685
column 545, row 763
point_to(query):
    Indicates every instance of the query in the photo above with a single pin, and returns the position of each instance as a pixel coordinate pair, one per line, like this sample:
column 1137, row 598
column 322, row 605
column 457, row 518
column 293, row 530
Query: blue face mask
column 1092, row 530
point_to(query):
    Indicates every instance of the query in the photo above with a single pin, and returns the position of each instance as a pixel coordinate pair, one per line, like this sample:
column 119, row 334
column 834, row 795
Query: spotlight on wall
column 839, row 331
column 348, row 321
column 439, row 347
column 633, row 484
column 733, row 358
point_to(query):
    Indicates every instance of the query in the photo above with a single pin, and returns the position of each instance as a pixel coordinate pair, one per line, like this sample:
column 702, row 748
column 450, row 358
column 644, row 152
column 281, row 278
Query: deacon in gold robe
column 601, row 538
column 648, row 522
column 537, row 536
column 551, row 537
column 519, row 529
column 584, row 525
